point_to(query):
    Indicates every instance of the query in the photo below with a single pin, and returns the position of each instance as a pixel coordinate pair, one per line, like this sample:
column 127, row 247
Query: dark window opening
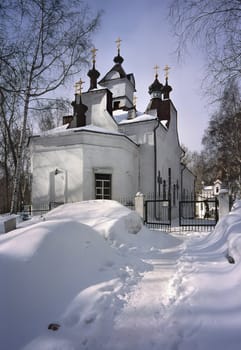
column 116, row 105
column 103, row 186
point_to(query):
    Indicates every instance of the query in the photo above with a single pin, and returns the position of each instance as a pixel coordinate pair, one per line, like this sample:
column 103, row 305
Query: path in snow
column 150, row 310
column 146, row 321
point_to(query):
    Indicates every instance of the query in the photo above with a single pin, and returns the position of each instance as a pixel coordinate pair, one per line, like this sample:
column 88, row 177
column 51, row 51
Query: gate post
column 139, row 204
column 223, row 198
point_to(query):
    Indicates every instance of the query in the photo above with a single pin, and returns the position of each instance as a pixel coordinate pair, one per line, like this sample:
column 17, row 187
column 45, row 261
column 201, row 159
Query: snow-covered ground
column 110, row 283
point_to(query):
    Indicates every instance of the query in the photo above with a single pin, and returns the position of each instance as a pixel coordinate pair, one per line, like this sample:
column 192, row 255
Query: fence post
column 139, row 204
column 223, row 198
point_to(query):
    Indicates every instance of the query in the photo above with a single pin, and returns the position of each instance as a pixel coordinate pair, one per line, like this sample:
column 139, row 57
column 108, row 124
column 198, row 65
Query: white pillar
column 223, row 198
column 139, row 204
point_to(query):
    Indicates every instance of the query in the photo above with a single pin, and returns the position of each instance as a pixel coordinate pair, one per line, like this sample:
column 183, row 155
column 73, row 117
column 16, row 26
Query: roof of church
column 64, row 129
column 141, row 118
column 121, row 117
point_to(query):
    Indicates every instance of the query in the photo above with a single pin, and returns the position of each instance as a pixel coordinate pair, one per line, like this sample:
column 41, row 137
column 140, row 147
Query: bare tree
column 9, row 137
column 216, row 27
column 49, row 114
column 51, row 41
column 222, row 139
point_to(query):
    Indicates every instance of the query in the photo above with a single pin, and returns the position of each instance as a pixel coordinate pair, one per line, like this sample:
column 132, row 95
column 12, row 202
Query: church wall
column 121, row 162
column 53, row 168
column 168, row 154
column 122, row 89
column 97, row 113
column 142, row 134
column 64, row 166
column 168, row 157
column 147, row 169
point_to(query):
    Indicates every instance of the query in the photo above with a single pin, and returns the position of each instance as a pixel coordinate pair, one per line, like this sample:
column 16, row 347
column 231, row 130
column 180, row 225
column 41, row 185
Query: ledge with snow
column 7, row 223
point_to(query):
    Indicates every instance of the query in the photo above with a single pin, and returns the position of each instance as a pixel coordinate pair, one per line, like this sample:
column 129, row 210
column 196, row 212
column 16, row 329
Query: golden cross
column 118, row 41
column 94, row 50
column 134, row 100
column 78, row 86
column 156, row 69
column 166, row 69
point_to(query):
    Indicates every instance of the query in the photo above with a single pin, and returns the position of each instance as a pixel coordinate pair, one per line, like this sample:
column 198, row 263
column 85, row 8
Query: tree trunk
column 17, row 176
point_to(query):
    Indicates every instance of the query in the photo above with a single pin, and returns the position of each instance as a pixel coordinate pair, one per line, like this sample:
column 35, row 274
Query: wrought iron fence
column 157, row 213
column 39, row 209
column 127, row 202
column 198, row 213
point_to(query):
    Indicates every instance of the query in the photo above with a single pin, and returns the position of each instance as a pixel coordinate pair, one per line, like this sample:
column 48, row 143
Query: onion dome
column 118, row 59
column 156, row 86
column 155, row 89
column 79, row 109
column 93, row 74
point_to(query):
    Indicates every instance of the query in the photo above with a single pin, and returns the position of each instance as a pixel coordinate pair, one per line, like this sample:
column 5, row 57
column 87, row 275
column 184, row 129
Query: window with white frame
column 102, row 186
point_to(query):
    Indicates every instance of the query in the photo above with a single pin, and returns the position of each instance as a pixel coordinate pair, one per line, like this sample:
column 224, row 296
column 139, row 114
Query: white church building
column 109, row 150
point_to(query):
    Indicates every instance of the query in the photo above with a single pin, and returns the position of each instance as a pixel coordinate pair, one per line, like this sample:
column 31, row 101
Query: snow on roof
column 6, row 217
column 95, row 128
column 208, row 188
column 142, row 118
column 64, row 129
column 121, row 117
column 55, row 130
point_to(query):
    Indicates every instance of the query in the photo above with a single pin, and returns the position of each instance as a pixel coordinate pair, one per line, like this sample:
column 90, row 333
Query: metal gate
column 158, row 213
column 194, row 213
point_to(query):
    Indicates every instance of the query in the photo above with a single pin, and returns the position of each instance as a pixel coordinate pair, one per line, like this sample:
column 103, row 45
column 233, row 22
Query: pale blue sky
column 147, row 40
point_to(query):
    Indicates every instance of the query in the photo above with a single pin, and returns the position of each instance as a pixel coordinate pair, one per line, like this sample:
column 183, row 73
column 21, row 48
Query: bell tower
column 121, row 85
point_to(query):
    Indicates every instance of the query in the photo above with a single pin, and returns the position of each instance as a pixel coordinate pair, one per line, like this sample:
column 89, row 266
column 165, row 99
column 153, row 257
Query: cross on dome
column 94, row 50
column 118, row 59
column 78, row 86
column 166, row 69
column 156, row 68
column 93, row 73
column 118, row 42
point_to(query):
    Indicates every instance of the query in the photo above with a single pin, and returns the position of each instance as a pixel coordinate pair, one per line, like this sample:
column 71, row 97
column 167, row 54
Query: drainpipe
column 155, row 157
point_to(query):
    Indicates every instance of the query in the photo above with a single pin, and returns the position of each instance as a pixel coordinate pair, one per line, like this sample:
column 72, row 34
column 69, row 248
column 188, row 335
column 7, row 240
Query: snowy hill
column 110, row 283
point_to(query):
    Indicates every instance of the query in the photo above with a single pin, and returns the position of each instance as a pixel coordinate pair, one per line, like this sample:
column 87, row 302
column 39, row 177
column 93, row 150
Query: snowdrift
column 107, row 281
column 224, row 240
column 76, row 252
